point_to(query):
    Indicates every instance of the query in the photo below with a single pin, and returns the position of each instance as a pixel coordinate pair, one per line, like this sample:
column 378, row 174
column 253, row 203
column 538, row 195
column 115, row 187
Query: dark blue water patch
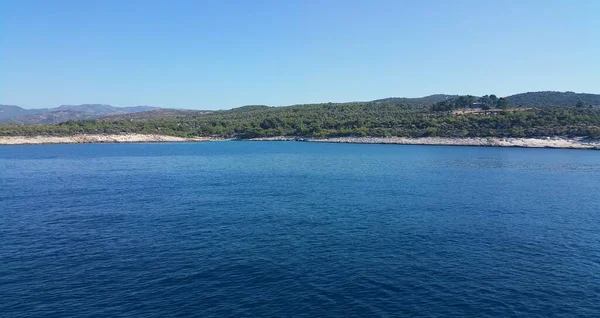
column 292, row 229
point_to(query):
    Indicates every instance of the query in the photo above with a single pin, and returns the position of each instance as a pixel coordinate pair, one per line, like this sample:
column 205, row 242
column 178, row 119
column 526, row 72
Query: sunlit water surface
column 288, row 229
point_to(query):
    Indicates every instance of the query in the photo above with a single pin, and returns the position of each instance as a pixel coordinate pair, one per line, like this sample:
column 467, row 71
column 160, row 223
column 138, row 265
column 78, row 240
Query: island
column 542, row 119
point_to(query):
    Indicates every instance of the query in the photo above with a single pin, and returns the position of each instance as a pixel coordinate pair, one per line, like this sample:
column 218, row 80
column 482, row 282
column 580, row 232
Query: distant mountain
column 101, row 109
column 17, row 115
column 12, row 111
column 158, row 113
column 51, row 117
column 417, row 101
column 549, row 98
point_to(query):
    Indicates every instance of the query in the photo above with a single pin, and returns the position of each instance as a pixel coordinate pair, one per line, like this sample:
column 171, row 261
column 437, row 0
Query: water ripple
column 295, row 229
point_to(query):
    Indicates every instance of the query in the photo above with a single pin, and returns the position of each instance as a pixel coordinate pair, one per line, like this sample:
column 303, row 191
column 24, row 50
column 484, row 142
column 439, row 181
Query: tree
column 487, row 101
column 503, row 103
column 463, row 102
column 579, row 104
column 470, row 99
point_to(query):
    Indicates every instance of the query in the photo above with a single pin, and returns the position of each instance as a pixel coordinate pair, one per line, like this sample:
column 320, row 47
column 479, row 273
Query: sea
column 298, row 229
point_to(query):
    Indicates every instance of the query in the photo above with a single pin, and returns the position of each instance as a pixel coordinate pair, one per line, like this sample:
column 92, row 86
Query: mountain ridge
column 17, row 115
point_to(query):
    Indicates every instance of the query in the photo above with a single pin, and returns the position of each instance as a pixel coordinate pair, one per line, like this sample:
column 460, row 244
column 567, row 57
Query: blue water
column 291, row 229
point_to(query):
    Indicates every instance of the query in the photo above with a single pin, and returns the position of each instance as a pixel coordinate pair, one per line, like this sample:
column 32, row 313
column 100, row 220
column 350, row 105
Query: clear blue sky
column 222, row 54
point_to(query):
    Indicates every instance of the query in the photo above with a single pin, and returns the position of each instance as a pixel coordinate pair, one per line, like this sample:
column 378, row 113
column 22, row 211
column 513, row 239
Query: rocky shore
column 83, row 139
column 548, row 142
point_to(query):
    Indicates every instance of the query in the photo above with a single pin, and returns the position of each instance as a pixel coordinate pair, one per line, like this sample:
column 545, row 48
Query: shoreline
column 97, row 139
column 548, row 142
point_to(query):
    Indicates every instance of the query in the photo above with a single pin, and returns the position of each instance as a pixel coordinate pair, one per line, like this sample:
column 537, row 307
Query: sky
column 220, row 54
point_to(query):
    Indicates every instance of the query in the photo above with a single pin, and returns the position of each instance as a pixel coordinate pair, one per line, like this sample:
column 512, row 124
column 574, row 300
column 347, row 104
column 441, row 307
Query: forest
column 378, row 118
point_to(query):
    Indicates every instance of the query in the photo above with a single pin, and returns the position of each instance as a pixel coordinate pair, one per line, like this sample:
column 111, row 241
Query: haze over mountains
column 12, row 114
column 18, row 115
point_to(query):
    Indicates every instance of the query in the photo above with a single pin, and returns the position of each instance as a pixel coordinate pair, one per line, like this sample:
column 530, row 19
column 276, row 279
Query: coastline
column 95, row 138
column 548, row 142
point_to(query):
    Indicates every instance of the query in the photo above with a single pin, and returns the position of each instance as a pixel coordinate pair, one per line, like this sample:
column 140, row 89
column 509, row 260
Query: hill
column 529, row 99
column 375, row 119
column 100, row 109
column 401, row 117
column 418, row 101
column 54, row 117
column 13, row 111
column 157, row 114
column 18, row 115
column 553, row 99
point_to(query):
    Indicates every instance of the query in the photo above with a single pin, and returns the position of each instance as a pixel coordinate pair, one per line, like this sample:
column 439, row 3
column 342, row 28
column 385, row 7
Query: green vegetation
column 485, row 102
column 379, row 118
column 554, row 99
